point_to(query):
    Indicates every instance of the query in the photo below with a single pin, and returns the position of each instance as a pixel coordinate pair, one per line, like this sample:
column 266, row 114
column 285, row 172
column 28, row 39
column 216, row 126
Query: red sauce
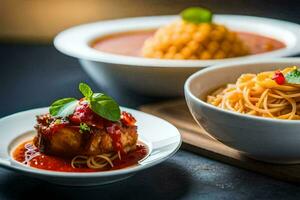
column 131, row 43
column 84, row 114
column 128, row 43
column 28, row 154
column 115, row 134
column 260, row 44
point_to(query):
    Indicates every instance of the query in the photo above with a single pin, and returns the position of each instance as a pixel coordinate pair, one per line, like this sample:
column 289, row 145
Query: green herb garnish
column 293, row 77
column 101, row 104
column 85, row 90
column 105, row 106
column 63, row 107
column 196, row 15
column 84, row 128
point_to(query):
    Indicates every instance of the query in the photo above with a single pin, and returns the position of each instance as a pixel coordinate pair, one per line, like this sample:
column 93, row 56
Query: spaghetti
column 94, row 162
column 28, row 154
column 260, row 95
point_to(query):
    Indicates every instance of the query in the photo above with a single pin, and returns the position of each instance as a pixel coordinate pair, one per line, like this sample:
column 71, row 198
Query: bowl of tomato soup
column 111, row 51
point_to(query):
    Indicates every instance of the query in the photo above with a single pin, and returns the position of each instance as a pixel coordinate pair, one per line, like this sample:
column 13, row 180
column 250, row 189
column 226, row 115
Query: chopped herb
column 293, row 77
column 197, row 15
column 84, row 128
column 57, row 121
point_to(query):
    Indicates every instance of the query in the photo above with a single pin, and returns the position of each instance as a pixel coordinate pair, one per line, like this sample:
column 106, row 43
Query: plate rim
column 80, row 48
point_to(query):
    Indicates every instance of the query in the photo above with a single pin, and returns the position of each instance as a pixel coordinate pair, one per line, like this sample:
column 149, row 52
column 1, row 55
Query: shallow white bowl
column 162, row 138
column 158, row 77
column 265, row 139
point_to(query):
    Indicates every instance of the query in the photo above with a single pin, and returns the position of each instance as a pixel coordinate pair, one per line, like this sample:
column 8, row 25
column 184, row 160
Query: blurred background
column 38, row 21
column 34, row 73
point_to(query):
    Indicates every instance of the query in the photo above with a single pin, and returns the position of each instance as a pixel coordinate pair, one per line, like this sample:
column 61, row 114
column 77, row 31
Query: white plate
column 161, row 77
column 162, row 138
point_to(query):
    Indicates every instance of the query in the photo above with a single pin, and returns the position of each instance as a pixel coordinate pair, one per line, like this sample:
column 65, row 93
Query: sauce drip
column 28, row 154
column 115, row 134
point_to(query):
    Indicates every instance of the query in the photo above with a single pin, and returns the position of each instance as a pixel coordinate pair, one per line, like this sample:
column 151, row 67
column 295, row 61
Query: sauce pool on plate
column 131, row 43
column 260, row 44
column 29, row 155
column 128, row 43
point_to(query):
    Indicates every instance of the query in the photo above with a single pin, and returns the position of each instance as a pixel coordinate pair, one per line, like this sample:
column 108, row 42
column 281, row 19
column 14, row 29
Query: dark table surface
column 34, row 75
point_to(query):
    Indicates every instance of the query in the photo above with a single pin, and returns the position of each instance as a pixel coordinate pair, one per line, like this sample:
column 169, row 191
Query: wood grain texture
column 197, row 140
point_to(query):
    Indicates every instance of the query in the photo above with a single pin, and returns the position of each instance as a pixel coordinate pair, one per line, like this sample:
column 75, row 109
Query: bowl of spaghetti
column 251, row 106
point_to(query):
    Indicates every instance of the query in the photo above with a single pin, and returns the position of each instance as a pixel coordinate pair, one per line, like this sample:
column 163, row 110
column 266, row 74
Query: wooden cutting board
column 197, row 140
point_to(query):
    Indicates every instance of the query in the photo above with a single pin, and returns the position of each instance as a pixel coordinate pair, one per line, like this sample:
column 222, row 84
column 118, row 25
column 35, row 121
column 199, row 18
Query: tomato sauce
column 28, row 154
column 128, row 43
column 260, row 44
column 131, row 43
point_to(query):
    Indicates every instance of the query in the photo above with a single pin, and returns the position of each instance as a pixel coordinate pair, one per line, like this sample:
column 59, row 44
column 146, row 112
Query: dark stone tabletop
column 34, row 75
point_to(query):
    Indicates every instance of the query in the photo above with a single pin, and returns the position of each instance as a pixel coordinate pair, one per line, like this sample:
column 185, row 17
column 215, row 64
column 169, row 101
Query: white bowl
column 158, row 77
column 162, row 138
column 265, row 139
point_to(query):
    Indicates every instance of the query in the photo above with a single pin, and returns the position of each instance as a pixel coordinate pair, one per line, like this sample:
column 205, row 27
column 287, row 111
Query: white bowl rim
column 232, row 113
column 81, row 49
column 30, row 170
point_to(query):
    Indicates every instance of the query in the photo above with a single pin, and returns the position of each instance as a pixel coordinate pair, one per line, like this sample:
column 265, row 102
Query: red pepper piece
column 127, row 119
column 279, row 78
column 84, row 114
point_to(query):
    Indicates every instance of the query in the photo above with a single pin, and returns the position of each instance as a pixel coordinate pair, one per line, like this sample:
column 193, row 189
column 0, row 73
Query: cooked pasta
column 185, row 40
column 264, row 94
column 95, row 162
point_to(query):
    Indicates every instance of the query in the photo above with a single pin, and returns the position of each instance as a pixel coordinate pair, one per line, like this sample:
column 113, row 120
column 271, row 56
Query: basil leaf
column 63, row 107
column 293, row 77
column 105, row 106
column 196, row 15
column 85, row 90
